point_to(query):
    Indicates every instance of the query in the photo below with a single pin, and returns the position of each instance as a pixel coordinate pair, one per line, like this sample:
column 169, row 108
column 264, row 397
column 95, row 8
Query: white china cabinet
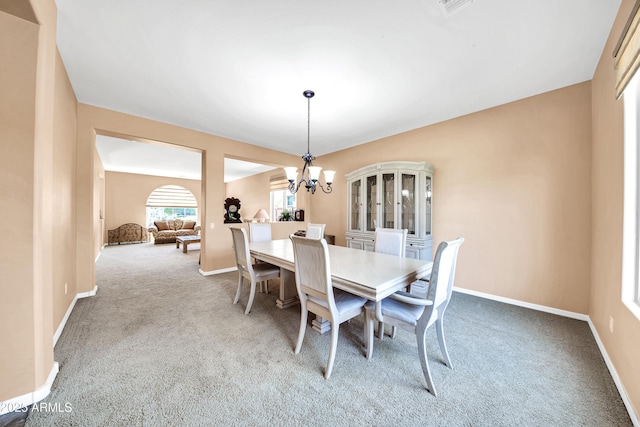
column 391, row 195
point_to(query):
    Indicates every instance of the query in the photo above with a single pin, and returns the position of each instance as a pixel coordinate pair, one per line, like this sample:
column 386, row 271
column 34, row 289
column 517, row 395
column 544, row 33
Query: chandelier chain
column 308, row 124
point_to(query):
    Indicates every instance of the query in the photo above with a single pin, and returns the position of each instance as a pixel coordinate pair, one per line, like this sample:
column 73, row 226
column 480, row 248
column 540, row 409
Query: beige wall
column 254, row 193
column 18, row 40
column 514, row 181
column 216, row 240
column 623, row 344
column 64, row 195
column 28, row 85
column 535, row 194
column 127, row 194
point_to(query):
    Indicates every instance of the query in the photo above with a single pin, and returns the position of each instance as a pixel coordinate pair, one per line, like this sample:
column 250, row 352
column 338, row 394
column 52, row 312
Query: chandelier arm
column 328, row 190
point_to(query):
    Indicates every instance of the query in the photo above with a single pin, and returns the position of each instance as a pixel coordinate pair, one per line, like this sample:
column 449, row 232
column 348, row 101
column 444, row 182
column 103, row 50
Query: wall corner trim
column 91, row 293
column 28, row 399
column 223, row 270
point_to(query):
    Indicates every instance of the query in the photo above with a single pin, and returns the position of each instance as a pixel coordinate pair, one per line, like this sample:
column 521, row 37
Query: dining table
column 371, row 275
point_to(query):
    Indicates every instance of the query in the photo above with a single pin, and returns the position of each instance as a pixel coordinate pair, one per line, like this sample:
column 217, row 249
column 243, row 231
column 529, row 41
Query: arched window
column 171, row 202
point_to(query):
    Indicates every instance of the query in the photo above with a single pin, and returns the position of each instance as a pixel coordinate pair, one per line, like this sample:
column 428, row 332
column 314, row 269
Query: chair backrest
column 315, row 231
column 241, row 248
column 259, row 231
column 313, row 272
column 443, row 273
column 390, row 241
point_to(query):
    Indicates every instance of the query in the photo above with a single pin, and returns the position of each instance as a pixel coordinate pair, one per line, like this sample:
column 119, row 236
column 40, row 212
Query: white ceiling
column 120, row 155
column 238, row 68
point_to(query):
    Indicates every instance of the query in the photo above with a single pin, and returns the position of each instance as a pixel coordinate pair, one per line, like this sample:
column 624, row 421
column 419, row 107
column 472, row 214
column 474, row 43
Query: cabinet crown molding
column 397, row 164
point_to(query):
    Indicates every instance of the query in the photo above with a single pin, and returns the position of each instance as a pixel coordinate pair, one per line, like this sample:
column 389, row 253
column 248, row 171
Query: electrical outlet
column 611, row 324
column 65, row 288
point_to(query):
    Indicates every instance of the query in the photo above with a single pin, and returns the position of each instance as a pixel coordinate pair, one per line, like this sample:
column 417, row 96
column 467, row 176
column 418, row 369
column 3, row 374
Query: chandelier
column 310, row 173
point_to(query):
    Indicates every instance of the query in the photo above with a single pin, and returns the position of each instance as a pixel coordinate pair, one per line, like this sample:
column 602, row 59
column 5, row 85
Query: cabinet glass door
column 408, row 204
column 355, row 205
column 388, row 200
column 371, row 202
column 427, row 211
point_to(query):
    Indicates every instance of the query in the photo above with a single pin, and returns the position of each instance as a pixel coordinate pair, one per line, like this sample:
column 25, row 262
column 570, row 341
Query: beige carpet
column 161, row 345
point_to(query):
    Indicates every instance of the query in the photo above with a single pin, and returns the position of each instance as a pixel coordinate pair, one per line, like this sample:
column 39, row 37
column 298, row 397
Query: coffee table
column 185, row 240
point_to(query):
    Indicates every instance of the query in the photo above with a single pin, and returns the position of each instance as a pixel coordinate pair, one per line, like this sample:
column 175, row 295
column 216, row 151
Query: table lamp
column 261, row 216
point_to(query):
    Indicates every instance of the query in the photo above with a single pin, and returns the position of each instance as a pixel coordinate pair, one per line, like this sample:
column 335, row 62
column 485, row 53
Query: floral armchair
column 128, row 233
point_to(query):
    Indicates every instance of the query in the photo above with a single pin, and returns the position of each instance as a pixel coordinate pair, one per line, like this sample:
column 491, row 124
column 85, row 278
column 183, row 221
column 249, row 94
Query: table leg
column 177, row 244
column 288, row 292
column 321, row 325
column 184, row 247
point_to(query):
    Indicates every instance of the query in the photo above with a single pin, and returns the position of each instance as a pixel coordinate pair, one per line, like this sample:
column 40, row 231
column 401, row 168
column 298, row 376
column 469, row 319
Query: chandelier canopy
column 310, row 173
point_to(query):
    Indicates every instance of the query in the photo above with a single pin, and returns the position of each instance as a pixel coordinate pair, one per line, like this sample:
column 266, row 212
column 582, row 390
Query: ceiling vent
column 449, row 7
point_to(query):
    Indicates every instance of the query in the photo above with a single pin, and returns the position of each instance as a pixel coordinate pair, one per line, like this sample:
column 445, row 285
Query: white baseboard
column 56, row 336
column 25, row 400
column 91, row 293
column 537, row 307
column 572, row 315
column 223, row 270
column 614, row 375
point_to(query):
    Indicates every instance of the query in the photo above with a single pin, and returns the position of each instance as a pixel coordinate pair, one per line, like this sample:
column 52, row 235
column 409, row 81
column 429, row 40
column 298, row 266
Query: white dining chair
column 416, row 314
column 260, row 232
column 254, row 272
column 390, row 241
column 317, row 294
column 315, row 231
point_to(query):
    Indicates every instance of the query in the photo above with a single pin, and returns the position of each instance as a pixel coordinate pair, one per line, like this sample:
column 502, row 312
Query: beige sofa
column 167, row 231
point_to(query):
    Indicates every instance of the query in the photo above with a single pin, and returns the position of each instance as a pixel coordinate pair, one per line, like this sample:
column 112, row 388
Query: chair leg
column 443, row 342
column 394, row 332
column 380, row 330
column 335, row 327
column 252, row 294
column 303, row 328
column 368, row 333
column 237, row 298
column 422, row 354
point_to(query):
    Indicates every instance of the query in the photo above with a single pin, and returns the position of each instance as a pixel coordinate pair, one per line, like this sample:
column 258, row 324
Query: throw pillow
column 162, row 225
column 188, row 225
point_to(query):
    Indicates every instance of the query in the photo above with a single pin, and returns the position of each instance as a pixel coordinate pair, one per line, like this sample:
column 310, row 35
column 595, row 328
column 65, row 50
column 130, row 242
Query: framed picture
column 291, row 200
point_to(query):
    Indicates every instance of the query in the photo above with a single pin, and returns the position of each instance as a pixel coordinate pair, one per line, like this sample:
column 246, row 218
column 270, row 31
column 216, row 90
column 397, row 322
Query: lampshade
column 261, row 215
column 314, row 173
column 328, row 176
column 292, row 173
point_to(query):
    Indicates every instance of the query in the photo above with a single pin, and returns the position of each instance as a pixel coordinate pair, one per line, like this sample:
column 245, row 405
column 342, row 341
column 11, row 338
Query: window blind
column 627, row 51
column 171, row 196
column 278, row 182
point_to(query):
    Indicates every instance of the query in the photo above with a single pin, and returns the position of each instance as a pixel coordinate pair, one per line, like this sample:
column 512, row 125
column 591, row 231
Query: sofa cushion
column 161, row 225
column 188, row 225
column 175, row 224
